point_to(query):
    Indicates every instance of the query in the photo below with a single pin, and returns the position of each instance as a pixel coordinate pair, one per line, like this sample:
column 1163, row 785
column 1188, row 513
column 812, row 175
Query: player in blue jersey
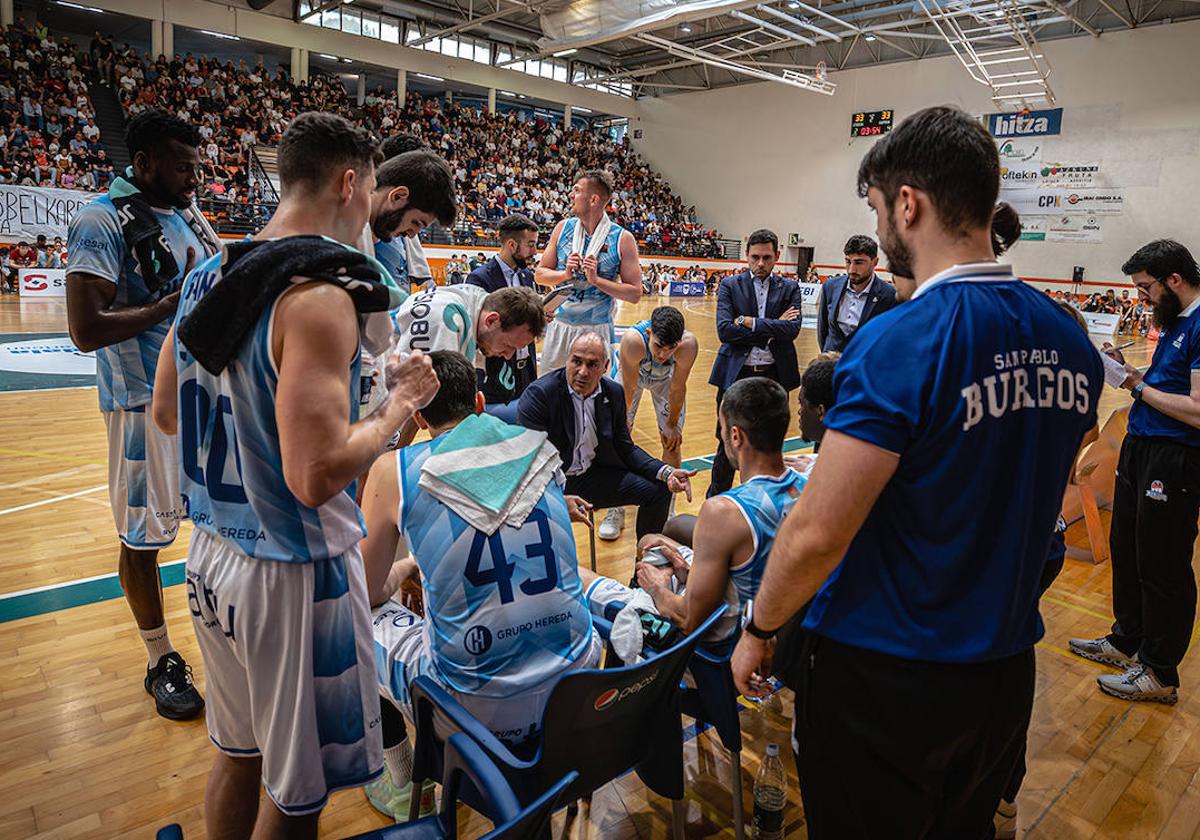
column 504, row 614
column 269, row 448
column 926, row 522
column 412, row 190
column 129, row 251
column 735, row 530
column 598, row 258
column 1157, row 496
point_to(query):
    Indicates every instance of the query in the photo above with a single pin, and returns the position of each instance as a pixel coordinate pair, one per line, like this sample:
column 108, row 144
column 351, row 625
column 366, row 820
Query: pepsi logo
column 613, row 696
column 606, row 699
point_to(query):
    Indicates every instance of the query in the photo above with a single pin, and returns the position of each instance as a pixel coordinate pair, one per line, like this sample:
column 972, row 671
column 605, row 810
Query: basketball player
column 927, row 519
column 656, row 355
column 129, row 251
column 735, row 530
column 270, row 450
column 599, row 258
column 412, row 190
column 473, row 584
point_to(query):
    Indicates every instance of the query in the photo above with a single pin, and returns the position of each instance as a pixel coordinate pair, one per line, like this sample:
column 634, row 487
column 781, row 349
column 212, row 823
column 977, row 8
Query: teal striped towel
column 490, row 473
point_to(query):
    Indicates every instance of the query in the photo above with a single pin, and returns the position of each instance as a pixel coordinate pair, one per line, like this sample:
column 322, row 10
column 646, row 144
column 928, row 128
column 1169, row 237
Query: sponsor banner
column 56, row 356
column 680, row 288
column 1053, row 202
column 26, row 212
column 1074, row 229
column 42, row 282
column 1070, row 175
column 1033, row 228
column 1014, row 176
column 809, row 292
column 1026, row 123
column 1101, row 323
column 1015, row 152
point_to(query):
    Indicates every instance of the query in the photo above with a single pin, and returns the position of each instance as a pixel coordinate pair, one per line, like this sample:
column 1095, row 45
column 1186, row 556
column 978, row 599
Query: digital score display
column 870, row 123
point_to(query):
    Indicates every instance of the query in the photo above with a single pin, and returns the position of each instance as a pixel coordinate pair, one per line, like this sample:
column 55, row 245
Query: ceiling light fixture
column 81, row 8
column 562, row 53
column 429, row 77
column 221, row 35
column 685, row 29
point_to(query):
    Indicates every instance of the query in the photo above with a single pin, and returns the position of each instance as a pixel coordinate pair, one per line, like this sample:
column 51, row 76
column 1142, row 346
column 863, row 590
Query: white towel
column 599, row 236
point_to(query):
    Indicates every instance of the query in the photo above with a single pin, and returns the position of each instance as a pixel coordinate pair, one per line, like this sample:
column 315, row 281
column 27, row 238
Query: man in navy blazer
column 850, row 300
column 758, row 319
column 583, row 413
column 502, row 381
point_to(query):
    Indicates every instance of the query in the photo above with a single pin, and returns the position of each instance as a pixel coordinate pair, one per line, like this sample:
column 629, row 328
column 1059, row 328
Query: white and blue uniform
column 143, row 480
column 586, row 309
column 947, row 567
column 656, row 379
column 504, row 614
column 393, row 256
column 764, row 501
column 276, row 588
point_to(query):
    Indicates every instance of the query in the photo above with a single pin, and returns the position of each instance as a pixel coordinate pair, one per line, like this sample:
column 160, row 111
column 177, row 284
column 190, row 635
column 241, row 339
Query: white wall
column 766, row 155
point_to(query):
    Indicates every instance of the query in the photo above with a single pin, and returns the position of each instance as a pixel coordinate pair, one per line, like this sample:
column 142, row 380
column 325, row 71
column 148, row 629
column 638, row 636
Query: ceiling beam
column 469, row 24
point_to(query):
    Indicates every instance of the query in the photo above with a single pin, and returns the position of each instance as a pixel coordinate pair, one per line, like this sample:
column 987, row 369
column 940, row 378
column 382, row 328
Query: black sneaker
column 170, row 684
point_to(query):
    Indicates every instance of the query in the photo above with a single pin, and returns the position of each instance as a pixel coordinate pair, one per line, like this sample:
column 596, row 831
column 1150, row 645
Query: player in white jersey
column 270, row 448
column 129, row 251
column 735, row 530
column 504, row 614
column 600, row 261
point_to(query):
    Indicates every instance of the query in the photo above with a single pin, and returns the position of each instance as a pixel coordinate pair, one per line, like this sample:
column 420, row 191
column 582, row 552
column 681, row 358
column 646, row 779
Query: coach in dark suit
column 583, row 412
column 850, row 300
column 503, row 380
column 758, row 319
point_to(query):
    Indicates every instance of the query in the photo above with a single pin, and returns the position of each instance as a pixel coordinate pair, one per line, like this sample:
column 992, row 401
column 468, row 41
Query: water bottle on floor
column 770, row 796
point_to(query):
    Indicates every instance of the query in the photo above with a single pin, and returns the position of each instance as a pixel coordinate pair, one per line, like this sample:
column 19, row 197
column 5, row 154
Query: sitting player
column 735, row 530
column 476, row 586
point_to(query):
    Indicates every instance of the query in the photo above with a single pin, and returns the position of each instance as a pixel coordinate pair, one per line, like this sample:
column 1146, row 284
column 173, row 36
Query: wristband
column 758, row 633
column 665, row 472
column 1136, row 391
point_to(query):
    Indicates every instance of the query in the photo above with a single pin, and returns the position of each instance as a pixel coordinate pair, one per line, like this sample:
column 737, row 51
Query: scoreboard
column 870, row 123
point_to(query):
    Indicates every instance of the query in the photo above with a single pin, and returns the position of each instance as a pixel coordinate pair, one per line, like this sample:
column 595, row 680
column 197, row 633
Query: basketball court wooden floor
column 84, row 755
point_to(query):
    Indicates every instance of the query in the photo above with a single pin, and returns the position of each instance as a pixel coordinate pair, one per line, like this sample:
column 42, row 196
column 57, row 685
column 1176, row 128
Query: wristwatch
column 1137, row 389
column 759, row 633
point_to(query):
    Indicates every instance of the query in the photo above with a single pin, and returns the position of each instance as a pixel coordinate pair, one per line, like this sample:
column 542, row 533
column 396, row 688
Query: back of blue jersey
column 587, row 304
column 503, row 613
column 764, row 500
column 231, row 468
column 393, row 256
column 95, row 245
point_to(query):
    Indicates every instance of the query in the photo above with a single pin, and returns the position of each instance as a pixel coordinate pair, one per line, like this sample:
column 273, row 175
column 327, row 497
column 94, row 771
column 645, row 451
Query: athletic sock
column 398, row 760
column 158, row 643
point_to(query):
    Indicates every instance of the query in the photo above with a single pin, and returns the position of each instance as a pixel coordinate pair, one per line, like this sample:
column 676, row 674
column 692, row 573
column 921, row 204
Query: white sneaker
column 1138, row 683
column 1005, row 820
column 613, row 524
column 1101, row 650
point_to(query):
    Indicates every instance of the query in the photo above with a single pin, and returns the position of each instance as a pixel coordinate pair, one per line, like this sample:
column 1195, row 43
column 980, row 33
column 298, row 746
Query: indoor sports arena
column 599, row 418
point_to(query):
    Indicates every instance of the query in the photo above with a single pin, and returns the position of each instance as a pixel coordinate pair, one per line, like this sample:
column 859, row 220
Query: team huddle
column 273, row 391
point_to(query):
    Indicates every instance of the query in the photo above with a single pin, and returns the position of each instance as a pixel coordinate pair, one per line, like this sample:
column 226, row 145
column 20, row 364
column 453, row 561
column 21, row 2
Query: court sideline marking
column 54, row 499
column 40, row 600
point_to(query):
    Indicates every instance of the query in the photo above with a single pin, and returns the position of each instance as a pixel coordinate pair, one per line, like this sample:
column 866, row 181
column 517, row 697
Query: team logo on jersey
column 1156, row 491
column 1178, row 342
column 477, row 640
column 610, row 698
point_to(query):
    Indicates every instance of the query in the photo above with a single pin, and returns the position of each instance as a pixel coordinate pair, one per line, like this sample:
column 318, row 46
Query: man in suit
column 583, row 412
column 850, row 300
column 758, row 319
column 502, row 380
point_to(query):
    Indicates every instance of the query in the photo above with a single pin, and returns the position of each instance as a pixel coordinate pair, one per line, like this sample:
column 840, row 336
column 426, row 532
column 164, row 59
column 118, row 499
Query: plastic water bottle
column 770, row 796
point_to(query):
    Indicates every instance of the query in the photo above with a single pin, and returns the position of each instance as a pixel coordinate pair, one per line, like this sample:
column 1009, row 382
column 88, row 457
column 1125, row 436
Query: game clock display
column 870, row 123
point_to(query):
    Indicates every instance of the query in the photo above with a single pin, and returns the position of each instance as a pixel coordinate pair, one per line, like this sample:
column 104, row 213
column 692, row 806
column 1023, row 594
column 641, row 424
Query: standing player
column 599, row 258
column 270, row 450
column 656, row 355
column 927, row 519
column 412, row 189
column 129, row 251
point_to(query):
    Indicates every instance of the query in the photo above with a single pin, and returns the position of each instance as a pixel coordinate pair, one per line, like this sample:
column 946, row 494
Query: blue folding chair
column 465, row 762
column 712, row 700
column 597, row 723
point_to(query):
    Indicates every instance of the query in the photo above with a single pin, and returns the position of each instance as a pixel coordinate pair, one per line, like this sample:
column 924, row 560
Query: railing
column 259, row 175
column 242, row 218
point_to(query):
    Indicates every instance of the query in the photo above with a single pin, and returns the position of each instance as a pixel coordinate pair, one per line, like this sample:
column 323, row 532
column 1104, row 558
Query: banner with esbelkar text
column 42, row 282
column 27, row 212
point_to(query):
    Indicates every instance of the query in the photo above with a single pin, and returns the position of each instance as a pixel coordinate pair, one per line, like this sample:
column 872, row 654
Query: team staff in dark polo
column 1156, row 500
column 758, row 319
column 503, row 380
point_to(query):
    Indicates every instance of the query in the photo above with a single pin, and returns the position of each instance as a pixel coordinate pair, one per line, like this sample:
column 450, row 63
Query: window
column 503, row 54
column 331, row 18
column 370, row 25
column 411, row 33
column 450, row 47
column 560, row 71
column 483, row 53
column 389, row 29
column 352, row 21
column 533, row 67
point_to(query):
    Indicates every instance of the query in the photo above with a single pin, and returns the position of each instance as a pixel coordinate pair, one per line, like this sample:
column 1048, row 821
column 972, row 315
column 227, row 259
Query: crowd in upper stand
column 504, row 162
